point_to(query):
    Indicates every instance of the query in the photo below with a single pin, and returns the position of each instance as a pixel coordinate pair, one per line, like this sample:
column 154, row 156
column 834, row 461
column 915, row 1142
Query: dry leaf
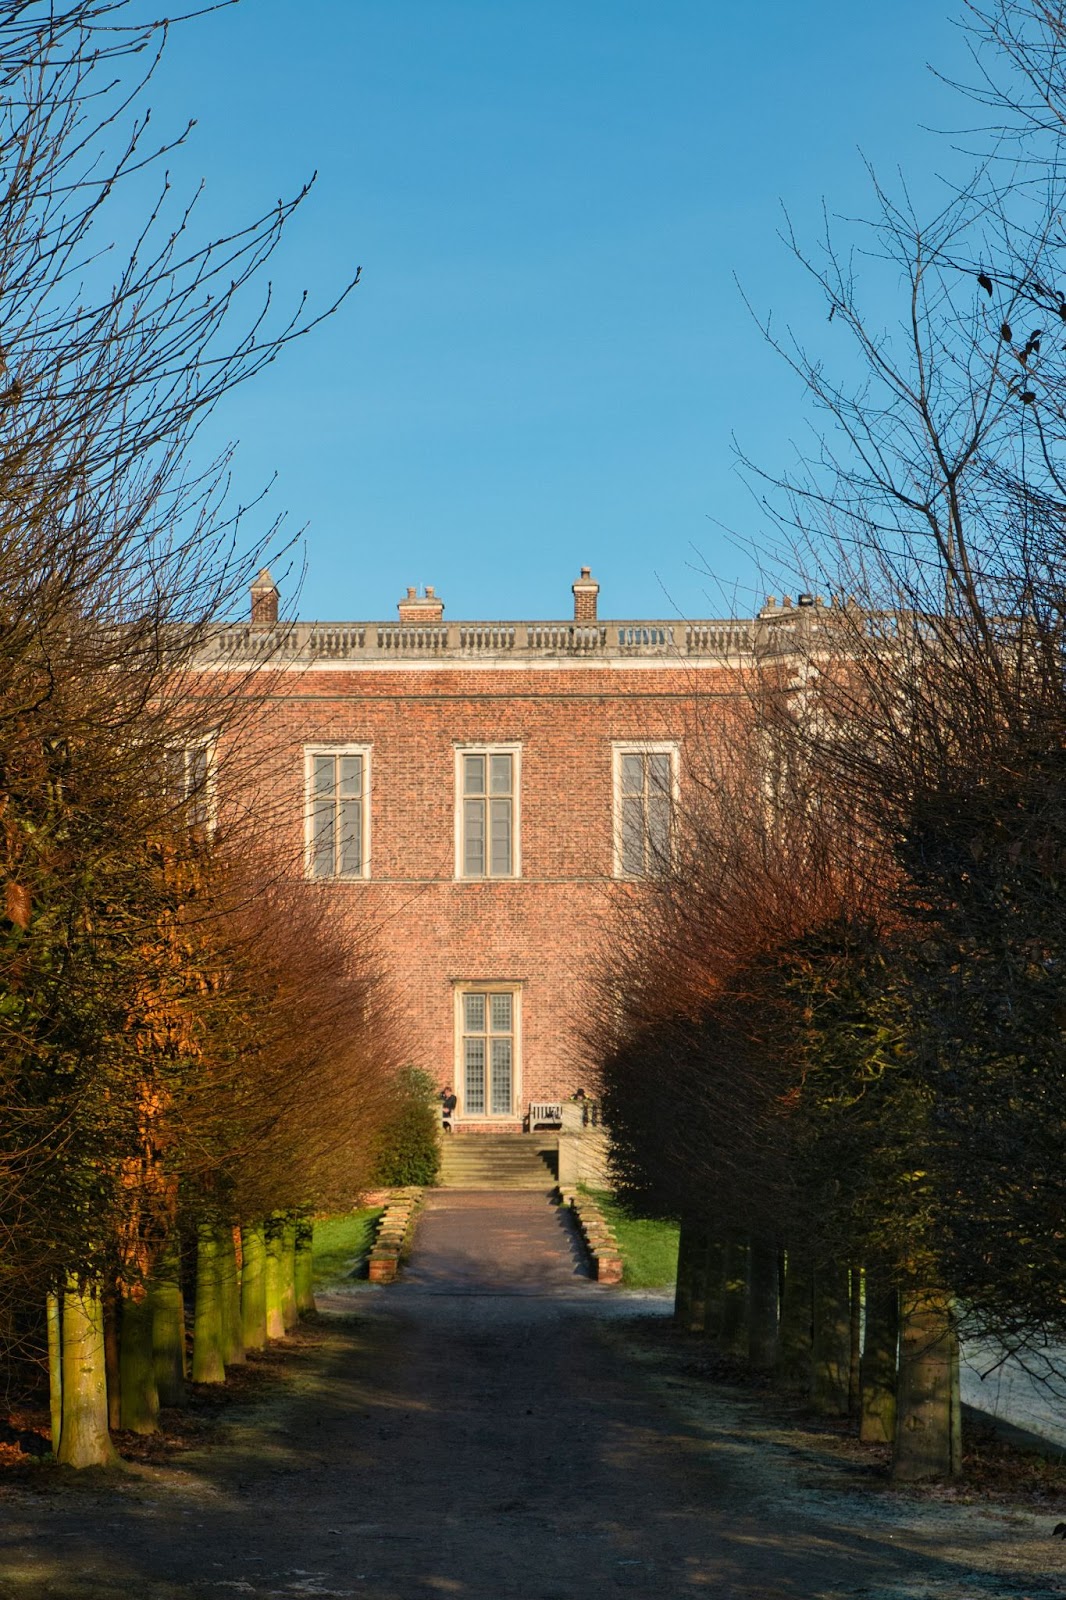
column 17, row 904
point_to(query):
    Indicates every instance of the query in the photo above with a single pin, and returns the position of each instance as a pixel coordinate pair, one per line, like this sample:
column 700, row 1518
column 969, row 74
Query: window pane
column 633, row 774
column 324, row 770
column 501, row 1076
column 501, row 838
column 351, row 855
column 351, row 776
column 196, row 768
column 474, row 1005
column 174, row 774
column 501, row 1012
column 633, row 837
column 501, row 774
column 473, row 774
column 322, row 839
column 473, row 838
column 474, row 1073
column 659, row 773
column 659, row 831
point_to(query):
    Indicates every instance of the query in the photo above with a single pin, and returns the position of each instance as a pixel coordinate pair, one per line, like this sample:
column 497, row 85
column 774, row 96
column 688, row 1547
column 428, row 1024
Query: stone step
column 495, row 1161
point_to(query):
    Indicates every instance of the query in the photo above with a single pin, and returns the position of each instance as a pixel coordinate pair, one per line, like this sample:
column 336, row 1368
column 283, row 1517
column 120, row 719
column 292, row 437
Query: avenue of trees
column 833, row 1033
column 190, row 1050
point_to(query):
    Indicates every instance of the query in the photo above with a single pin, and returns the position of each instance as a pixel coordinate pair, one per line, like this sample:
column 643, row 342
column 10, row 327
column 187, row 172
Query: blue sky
column 548, row 358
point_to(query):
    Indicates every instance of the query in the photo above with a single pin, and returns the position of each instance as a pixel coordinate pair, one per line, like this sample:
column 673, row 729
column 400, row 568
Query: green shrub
column 409, row 1152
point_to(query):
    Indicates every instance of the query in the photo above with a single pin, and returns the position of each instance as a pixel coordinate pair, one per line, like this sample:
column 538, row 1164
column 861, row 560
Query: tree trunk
column 928, row 1443
column 110, row 1303
column 857, row 1289
column 208, row 1365
column 139, row 1408
column 794, row 1339
column 168, row 1326
column 230, row 1292
column 289, row 1314
column 714, row 1309
column 683, row 1286
column 696, row 1321
column 735, row 1300
column 762, row 1305
column 275, row 1250
column 253, row 1286
column 877, row 1422
column 305, row 1293
column 54, row 1314
column 831, row 1341
column 83, row 1437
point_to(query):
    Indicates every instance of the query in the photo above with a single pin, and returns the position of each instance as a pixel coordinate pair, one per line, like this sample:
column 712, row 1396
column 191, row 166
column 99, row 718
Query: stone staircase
column 498, row 1161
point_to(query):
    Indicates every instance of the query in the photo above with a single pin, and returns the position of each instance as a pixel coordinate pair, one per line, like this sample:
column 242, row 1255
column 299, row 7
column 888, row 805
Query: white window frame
column 642, row 747
column 326, row 749
column 487, row 986
column 208, row 800
column 487, row 750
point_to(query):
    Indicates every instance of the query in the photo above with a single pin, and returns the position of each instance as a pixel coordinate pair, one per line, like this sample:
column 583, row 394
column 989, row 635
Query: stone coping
column 600, row 1242
column 393, row 1237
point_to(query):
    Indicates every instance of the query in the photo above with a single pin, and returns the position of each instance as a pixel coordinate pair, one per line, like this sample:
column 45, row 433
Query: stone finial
column 585, row 591
column 264, row 593
column 425, row 607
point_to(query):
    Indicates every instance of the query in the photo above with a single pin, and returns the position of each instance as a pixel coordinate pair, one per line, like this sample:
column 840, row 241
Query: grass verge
column 341, row 1245
column 648, row 1245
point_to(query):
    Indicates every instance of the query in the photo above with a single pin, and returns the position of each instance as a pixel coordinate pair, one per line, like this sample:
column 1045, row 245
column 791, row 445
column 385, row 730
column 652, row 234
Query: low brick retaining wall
column 600, row 1242
column 393, row 1235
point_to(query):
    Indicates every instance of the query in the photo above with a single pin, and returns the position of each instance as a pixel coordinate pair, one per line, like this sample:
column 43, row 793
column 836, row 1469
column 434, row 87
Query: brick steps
column 495, row 1161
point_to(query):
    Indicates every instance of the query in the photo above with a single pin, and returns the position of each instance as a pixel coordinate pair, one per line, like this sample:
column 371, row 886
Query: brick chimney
column 585, row 591
column 421, row 608
column 264, row 592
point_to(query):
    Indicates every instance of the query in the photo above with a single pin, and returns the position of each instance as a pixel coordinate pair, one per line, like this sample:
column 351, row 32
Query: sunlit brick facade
column 487, row 796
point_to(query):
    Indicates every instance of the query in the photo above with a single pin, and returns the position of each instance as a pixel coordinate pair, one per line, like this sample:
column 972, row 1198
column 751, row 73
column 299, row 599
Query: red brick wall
column 542, row 929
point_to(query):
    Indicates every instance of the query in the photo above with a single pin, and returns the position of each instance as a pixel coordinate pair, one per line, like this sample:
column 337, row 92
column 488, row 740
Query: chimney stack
column 264, row 593
column 585, row 590
column 421, row 608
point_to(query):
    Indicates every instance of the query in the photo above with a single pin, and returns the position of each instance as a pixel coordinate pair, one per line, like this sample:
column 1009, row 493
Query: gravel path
column 486, row 1429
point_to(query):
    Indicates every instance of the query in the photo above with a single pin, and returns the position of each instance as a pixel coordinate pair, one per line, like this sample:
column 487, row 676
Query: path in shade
column 481, row 1431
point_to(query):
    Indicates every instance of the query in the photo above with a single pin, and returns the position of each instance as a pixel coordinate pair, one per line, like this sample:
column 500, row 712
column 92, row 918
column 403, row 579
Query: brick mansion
column 487, row 795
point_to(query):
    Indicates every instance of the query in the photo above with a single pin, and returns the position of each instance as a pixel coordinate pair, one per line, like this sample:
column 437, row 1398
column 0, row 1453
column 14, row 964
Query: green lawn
column 340, row 1244
column 649, row 1248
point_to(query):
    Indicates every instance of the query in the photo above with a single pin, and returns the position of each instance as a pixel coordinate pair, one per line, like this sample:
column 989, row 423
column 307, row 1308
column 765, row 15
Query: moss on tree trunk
column 877, row 1415
column 305, row 1294
column 84, row 1440
column 168, row 1326
column 208, row 1365
column 230, row 1292
column 928, row 1430
column 253, row 1286
column 139, row 1397
column 289, row 1313
column 831, row 1341
column 54, row 1316
column 275, row 1269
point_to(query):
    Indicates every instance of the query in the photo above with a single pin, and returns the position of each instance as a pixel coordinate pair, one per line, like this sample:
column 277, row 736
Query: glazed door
column 488, row 1054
